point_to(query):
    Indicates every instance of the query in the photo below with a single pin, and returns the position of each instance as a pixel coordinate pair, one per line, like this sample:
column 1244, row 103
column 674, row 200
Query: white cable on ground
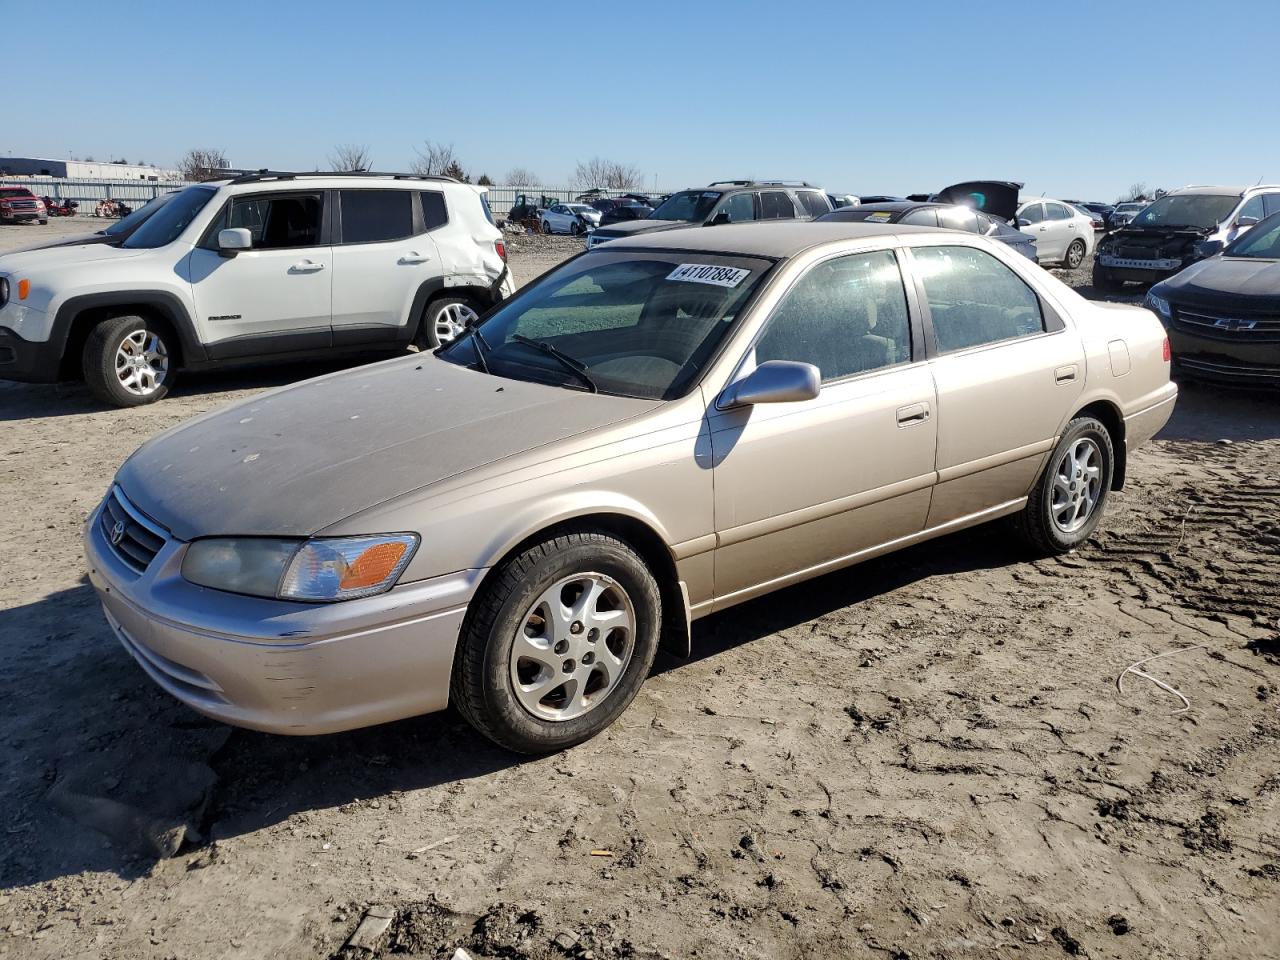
column 1133, row 668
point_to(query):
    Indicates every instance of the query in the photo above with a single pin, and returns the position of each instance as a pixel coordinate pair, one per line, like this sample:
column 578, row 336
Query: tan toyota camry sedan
column 651, row 432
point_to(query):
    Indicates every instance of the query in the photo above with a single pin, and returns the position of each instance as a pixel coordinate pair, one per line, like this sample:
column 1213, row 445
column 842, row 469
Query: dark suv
column 728, row 201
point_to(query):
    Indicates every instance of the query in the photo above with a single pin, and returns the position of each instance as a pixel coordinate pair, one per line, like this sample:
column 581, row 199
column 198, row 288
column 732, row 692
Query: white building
column 82, row 169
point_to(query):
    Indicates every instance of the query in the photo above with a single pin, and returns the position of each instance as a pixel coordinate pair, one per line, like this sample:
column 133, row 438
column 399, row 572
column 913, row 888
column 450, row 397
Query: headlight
column 321, row 570
column 1159, row 304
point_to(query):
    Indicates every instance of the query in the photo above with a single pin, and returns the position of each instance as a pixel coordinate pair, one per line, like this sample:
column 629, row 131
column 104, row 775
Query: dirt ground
column 923, row 756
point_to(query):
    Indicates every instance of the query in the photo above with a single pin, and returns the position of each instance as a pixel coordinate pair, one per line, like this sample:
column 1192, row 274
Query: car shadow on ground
column 111, row 774
column 1209, row 412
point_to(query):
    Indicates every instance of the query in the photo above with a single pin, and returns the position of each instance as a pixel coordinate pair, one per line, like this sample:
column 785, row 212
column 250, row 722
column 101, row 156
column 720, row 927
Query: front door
column 804, row 487
column 1047, row 245
column 274, row 297
column 381, row 256
column 1008, row 371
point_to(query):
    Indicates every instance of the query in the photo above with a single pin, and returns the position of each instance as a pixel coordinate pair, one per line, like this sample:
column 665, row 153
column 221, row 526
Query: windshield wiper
column 573, row 365
column 481, row 346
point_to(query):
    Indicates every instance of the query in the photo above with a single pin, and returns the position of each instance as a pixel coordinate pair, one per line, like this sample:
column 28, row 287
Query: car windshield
column 691, row 206
column 143, row 213
column 1261, row 242
column 16, row 192
column 627, row 324
column 171, row 219
column 1187, row 210
column 580, row 208
column 858, row 214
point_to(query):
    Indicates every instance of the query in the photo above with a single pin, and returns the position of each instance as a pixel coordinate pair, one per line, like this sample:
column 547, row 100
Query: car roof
column 1212, row 191
column 762, row 238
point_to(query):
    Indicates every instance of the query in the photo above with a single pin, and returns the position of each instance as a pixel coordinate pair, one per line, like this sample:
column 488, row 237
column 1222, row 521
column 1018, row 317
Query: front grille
column 133, row 538
column 22, row 204
column 1228, row 326
column 1226, row 368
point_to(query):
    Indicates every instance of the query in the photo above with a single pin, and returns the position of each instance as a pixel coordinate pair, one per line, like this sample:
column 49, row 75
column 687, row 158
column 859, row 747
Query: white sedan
column 1063, row 234
column 574, row 218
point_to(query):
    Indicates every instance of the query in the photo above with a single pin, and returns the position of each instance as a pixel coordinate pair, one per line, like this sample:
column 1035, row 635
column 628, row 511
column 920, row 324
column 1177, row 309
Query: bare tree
column 1136, row 191
column 433, row 159
column 609, row 174
column 522, row 177
column 202, row 163
column 349, row 158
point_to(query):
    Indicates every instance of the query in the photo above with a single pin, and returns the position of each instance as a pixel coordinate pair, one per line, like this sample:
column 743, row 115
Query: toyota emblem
column 117, row 532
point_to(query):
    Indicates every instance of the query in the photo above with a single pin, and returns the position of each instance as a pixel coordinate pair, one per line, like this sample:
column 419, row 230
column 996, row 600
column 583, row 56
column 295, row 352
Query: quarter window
column 845, row 316
column 434, row 212
column 776, row 206
column 974, row 299
column 372, row 216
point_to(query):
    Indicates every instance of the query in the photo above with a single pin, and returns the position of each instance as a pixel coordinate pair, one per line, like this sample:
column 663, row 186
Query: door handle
column 413, row 257
column 1065, row 374
column 306, row 266
column 913, row 413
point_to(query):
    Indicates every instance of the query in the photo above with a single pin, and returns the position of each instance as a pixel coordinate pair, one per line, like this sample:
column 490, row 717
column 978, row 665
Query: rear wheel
column 1104, row 281
column 127, row 361
column 557, row 643
column 444, row 321
column 1066, row 505
column 1075, row 254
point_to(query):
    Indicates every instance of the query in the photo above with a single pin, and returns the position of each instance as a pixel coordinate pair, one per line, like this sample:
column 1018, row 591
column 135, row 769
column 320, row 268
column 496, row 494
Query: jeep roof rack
column 265, row 174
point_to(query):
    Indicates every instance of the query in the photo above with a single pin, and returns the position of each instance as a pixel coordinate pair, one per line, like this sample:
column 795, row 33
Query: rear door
column 381, row 256
column 275, row 297
column 1007, row 370
column 776, row 205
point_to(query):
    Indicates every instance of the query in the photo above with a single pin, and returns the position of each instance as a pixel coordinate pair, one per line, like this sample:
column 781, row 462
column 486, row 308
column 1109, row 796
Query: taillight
column 1168, row 351
column 501, row 248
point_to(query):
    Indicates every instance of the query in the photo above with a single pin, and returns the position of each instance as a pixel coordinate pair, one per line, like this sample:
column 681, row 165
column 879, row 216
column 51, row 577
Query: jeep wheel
column 557, row 644
column 1104, row 281
column 1075, row 254
column 444, row 320
column 126, row 362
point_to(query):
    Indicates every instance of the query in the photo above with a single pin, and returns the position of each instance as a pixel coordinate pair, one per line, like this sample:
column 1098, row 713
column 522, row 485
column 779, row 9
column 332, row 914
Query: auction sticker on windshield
column 709, row 273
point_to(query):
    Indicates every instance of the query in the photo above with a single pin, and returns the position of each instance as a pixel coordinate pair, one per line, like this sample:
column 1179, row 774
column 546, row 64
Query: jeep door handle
column 1065, row 374
column 413, row 257
column 913, row 413
column 306, row 266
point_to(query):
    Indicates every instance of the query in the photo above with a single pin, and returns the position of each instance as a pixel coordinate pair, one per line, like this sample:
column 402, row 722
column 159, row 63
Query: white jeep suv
column 266, row 266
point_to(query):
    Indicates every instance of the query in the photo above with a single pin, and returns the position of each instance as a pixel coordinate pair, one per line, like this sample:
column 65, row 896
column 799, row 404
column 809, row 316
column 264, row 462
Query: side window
column 1252, row 209
column 370, row 216
column 740, row 207
column 1033, row 213
column 844, row 316
column 815, row 204
column 958, row 218
column 926, row 217
column 974, row 298
column 1272, row 203
column 434, row 212
column 275, row 222
column 1057, row 211
column 776, row 206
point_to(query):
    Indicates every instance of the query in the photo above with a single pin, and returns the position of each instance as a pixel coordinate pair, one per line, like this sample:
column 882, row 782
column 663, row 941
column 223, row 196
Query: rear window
column 815, row 203
column 373, row 216
column 776, row 206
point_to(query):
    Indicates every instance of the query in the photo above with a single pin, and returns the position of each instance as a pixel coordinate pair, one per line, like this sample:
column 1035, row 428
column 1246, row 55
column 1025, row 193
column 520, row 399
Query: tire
column 1076, row 251
column 44, row 222
column 443, row 321
column 546, row 228
column 105, row 350
column 490, row 670
column 574, row 229
column 1041, row 521
column 1104, row 281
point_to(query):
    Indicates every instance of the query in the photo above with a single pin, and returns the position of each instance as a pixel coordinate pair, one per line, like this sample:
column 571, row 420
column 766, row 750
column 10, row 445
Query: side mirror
column 774, row 381
column 234, row 239
column 1209, row 248
column 718, row 219
column 1024, row 222
column 1246, row 221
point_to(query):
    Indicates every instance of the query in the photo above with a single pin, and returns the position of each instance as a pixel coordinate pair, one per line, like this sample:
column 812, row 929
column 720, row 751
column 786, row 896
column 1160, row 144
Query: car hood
column 293, row 461
column 59, row 257
column 75, row 240
column 1233, row 276
column 996, row 197
column 630, row 228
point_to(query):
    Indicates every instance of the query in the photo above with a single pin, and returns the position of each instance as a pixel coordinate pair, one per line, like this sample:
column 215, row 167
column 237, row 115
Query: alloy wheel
column 573, row 646
column 142, row 362
column 452, row 320
column 1075, row 254
column 1077, row 485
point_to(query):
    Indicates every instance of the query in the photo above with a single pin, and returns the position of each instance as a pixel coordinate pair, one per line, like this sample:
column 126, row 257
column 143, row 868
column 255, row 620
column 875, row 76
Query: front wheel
column 1075, row 254
column 546, row 227
column 1066, row 505
column 1104, row 281
column 558, row 642
column 43, row 221
column 127, row 361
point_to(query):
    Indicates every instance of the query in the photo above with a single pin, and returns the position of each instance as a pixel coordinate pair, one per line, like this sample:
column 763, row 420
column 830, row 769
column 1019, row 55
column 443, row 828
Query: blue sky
column 1075, row 99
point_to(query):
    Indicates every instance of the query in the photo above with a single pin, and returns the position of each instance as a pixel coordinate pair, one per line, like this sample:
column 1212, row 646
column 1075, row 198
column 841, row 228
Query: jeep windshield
column 141, row 215
column 1197, row 211
column 627, row 324
column 167, row 224
column 689, row 206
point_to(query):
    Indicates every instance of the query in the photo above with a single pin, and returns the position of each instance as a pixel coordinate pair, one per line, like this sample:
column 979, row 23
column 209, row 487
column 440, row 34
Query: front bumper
column 1229, row 357
column 277, row 666
column 28, row 361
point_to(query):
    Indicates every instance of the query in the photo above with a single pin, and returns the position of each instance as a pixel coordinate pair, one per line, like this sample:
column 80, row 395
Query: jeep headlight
column 320, row 570
column 1159, row 304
